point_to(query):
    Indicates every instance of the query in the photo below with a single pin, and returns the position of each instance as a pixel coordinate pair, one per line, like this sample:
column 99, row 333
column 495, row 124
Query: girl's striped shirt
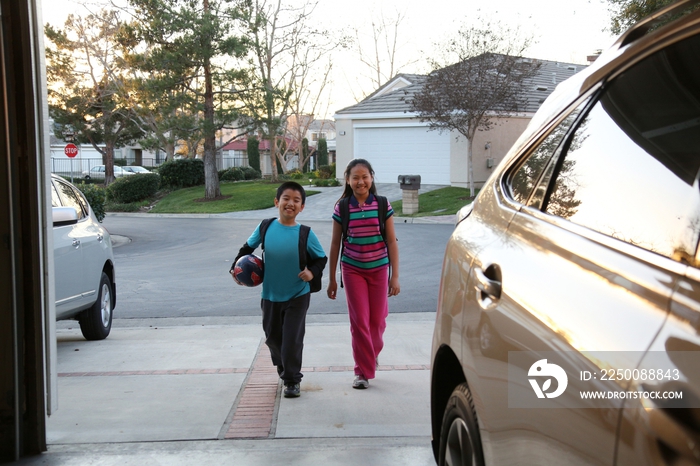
column 364, row 247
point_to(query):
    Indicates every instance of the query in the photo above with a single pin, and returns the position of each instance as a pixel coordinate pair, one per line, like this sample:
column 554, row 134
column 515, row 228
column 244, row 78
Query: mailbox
column 411, row 182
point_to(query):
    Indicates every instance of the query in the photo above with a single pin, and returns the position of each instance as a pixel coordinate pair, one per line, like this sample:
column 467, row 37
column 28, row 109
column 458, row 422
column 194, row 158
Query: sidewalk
column 203, row 391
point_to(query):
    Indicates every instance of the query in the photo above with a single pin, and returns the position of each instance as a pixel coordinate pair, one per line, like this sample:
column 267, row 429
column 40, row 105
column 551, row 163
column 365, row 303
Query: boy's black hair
column 294, row 186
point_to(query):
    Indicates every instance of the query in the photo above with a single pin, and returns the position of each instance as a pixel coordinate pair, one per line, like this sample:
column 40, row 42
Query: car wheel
column 96, row 322
column 460, row 442
column 87, row 177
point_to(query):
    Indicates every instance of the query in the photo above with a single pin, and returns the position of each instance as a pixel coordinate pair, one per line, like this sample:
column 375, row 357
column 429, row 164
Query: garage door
column 398, row 151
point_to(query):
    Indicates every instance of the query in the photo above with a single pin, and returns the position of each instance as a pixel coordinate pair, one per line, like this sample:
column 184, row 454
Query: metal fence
column 80, row 167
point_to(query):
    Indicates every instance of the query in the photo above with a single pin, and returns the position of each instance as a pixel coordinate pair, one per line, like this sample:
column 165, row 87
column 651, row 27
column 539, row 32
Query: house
column 323, row 129
column 235, row 154
column 383, row 130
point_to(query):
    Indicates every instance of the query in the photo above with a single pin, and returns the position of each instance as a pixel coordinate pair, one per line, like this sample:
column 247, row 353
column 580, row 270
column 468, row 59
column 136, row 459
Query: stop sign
column 71, row 150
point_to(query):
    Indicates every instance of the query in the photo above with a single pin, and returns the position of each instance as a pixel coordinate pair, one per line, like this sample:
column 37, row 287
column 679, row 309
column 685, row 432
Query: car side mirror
column 63, row 216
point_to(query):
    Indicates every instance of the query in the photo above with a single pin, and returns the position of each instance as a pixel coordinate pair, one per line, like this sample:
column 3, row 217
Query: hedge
column 182, row 173
column 133, row 188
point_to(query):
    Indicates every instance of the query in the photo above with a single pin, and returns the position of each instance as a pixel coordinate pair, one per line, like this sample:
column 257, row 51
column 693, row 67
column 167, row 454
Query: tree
column 381, row 57
column 322, row 150
column 253, row 151
column 626, row 13
column 286, row 52
column 304, row 155
column 87, row 88
column 186, row 45
column 484, row 82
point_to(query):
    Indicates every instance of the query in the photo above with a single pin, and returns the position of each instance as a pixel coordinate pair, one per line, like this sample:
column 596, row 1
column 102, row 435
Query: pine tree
column 253, row 150
column 188, row 43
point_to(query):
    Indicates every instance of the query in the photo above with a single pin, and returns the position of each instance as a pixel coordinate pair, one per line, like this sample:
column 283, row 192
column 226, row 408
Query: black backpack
column 344, row 208
column 304, row 257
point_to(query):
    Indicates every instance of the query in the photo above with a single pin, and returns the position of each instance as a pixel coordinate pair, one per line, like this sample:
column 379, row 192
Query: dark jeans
column 284, row 325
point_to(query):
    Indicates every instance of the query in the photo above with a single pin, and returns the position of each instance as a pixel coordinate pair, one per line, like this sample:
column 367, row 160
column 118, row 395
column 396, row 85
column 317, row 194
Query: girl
column 370, row 266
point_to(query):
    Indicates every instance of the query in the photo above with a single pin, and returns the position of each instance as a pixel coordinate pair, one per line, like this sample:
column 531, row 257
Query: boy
column 285, row 292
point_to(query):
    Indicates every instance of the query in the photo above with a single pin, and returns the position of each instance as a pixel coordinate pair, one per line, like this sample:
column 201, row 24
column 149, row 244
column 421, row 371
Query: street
column 178, row 267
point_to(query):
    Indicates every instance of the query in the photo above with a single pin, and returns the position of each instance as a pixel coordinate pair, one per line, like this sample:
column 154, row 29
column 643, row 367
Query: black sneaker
column 291, row 390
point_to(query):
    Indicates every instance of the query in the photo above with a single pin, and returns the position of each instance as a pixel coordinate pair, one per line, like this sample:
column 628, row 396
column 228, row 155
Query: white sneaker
column 360, row 382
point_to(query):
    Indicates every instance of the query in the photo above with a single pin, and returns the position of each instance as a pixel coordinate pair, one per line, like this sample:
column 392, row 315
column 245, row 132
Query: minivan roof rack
column 642, row 27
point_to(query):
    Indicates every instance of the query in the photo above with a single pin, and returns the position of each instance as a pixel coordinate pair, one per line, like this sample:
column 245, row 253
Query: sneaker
column 291, row 390
column 360, row 382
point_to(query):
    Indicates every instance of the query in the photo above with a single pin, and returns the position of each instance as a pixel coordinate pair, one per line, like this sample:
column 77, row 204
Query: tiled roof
column 391, row 102
column 537, row 89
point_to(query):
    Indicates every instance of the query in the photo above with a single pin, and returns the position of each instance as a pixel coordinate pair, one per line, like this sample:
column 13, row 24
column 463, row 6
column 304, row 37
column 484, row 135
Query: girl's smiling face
column 360, row 180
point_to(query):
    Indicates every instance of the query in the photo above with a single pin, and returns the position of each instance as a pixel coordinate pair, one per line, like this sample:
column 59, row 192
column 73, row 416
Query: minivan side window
column 526, row 177
column 631, row 168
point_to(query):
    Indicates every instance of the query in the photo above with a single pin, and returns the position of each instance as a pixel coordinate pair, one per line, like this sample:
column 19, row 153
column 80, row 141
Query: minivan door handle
column 489, row 289
column 76, row 243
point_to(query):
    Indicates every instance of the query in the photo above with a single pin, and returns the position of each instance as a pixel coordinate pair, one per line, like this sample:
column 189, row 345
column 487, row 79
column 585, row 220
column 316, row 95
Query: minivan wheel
column 96, row 322
column 460, row 442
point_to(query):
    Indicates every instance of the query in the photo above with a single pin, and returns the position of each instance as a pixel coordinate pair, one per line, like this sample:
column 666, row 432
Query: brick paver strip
column 270, row 371
column 256, row 406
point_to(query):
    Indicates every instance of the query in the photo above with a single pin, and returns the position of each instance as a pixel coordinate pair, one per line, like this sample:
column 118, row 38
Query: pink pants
column 366, row 293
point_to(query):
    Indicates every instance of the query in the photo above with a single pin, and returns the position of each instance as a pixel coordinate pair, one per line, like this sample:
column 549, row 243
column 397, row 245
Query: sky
column 564, row 30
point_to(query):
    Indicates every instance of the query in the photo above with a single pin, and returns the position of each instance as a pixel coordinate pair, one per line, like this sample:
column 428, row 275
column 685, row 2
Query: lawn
column 443, row 201
column 235, row 197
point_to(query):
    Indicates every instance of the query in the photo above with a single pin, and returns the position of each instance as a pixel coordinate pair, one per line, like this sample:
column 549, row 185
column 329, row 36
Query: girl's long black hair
column 347, row 192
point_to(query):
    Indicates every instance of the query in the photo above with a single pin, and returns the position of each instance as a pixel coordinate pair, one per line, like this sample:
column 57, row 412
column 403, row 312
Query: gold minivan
column 568, row 320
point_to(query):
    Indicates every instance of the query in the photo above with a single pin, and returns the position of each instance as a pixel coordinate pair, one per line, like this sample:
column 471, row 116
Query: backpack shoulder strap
column 263, row 230
column 344, row 207
column 303, row 240
column 382, row 208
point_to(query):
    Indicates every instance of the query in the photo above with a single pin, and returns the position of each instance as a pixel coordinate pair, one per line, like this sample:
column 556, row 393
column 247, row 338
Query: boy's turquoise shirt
column 281, row 281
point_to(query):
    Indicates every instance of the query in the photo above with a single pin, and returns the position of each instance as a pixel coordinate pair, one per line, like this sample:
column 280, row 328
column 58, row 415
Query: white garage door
column 405, row 151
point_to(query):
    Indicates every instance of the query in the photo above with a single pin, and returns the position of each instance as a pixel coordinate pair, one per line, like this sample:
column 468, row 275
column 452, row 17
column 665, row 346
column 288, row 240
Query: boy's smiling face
column 289, row 205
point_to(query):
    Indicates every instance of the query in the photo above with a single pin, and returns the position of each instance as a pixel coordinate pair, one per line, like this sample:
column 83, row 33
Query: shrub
column 326, row 182
column 95, row 195
column 296, row 174
column 133, row 188
column 326, row 171
column 182, row 173
column 251, row 173
column 231, row 174
column 120, row 162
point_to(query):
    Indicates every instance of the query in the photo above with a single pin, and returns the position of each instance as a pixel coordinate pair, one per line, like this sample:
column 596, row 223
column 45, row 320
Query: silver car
column 135, row 169
column 98, row 172
column 568, row 320
column 83, row 262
